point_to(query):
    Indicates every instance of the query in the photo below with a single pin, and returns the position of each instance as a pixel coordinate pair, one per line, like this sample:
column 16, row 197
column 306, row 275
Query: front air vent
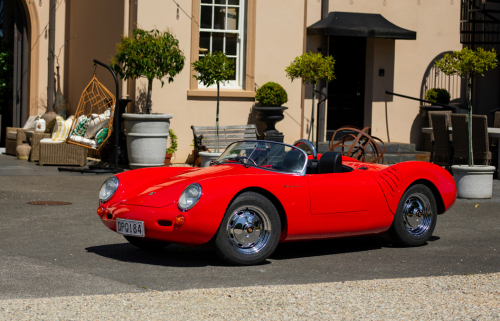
column 164, row 223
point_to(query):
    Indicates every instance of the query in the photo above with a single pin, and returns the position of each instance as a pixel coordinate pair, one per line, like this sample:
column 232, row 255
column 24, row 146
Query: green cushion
column 50, row 126
column 101, row 135
column 81, row 126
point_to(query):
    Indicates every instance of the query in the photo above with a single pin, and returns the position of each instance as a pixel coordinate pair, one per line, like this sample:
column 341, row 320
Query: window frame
column 246, row 89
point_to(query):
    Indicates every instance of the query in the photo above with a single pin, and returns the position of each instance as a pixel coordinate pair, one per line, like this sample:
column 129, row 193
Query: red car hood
column 169, row 190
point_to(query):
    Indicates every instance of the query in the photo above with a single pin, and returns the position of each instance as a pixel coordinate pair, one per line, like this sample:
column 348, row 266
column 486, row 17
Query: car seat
column 330, row 162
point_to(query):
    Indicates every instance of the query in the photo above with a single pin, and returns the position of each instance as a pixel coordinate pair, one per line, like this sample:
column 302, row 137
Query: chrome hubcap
column 248, row 229
column 417, row 214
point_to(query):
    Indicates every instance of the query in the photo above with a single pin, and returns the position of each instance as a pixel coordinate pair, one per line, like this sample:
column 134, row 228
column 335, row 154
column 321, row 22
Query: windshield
column 266, row 155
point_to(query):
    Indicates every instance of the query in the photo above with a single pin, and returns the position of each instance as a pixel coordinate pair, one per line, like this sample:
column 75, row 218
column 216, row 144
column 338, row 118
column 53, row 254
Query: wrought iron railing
column 480, row 23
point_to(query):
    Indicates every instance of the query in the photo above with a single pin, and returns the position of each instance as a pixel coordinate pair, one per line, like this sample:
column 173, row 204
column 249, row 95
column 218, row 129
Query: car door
column 336, row 193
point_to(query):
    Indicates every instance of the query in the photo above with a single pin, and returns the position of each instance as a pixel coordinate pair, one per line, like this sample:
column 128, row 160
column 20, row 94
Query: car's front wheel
column 250, row 230
column 146, row 244
column 415, row 217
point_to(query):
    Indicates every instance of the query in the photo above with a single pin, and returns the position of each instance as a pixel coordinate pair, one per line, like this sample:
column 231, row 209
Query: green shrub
column 173, row 142
column 271, row 94
column 438, row 95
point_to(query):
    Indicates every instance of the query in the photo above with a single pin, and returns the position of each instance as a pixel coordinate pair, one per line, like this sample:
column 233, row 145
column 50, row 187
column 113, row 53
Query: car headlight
column 190, row 196
column 108, row 189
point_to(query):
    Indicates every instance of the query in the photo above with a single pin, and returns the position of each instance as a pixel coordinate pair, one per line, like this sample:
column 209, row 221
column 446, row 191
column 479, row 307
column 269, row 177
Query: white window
column 221, row 29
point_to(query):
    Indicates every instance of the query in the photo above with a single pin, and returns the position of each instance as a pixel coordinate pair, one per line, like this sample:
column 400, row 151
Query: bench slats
column 197, row 128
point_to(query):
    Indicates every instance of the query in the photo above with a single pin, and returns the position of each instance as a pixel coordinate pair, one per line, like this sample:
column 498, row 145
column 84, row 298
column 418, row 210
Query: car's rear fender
column 396, row 179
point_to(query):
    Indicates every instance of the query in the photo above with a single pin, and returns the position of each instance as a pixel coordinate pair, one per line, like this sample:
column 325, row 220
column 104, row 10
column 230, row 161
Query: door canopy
column 359, row 25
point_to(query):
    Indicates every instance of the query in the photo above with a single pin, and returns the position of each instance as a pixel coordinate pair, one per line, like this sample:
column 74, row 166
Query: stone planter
column 207, row 157
column 146, row 139
column 270, row 116
column 473, row 182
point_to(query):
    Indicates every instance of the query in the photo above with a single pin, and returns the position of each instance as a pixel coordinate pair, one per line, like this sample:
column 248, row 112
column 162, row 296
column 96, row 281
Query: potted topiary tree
column 153, row 55
column 270, row 97
column 438, row 95
column 213, row 68
column 311, row 68
column 473, row 181
column 173, row 147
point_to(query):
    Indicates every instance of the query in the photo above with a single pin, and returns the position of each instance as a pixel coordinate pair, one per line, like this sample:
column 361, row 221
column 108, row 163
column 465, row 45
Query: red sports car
column 260, row 193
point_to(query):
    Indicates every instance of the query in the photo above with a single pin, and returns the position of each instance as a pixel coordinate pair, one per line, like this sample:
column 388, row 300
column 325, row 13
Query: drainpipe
column 321, row 116
column 52, row 36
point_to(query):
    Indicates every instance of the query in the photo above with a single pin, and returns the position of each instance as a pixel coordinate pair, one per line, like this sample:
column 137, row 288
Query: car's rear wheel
column 250, row 230
column 415, row 218
column 146, row 244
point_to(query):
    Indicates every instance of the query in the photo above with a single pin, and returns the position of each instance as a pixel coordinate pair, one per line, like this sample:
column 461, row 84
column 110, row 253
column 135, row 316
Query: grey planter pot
column 146, row 139
column 473, row 182
column 207, row 157
column 270, row 116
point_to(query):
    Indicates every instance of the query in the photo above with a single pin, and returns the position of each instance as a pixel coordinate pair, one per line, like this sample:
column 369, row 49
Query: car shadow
column 176, row 255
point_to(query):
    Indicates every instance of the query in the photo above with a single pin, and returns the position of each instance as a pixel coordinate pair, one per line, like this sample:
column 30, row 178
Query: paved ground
column 58, row 251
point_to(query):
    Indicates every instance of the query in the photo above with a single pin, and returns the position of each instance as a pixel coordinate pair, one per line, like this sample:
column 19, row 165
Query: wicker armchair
column 35, row 145
column 13, row 138
column 61, row 153
column 496, row 123
column 480, row 143
column 443, row 150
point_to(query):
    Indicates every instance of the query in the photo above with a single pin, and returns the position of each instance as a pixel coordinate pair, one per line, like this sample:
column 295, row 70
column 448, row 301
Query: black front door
column 346, row 94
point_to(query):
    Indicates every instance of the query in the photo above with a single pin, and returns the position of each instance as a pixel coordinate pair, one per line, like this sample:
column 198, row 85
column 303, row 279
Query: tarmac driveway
column 66, row 250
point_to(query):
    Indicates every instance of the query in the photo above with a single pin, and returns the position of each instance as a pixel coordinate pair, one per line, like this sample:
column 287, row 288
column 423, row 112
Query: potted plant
column 213, row 68
column 270, row 98
column 473, row 181
column 438, row 95
column 311, row 68
column 151, row 54
column 173, row 147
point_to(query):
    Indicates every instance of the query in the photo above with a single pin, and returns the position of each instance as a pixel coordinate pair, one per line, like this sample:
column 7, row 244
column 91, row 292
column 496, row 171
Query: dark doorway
column 14, row 42
column 346, row 94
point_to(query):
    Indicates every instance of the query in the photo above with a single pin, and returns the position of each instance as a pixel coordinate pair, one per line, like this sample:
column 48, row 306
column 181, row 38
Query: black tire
column 415, row 217
column 146, row 244
column 250, row 230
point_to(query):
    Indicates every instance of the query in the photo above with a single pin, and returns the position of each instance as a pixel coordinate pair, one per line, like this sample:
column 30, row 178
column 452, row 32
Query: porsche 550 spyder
column 260, row 193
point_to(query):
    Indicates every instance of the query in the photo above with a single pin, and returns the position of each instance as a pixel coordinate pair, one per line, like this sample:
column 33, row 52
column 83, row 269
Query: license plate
column 130, row 227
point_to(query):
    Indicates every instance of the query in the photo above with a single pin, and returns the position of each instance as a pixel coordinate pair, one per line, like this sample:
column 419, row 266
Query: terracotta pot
column 168, row 156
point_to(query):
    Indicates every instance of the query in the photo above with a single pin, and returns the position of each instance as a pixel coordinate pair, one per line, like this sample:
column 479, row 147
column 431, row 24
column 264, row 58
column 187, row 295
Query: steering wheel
column 244, row 157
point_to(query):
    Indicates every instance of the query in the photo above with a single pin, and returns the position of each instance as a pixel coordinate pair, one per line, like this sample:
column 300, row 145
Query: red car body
column 312, row 206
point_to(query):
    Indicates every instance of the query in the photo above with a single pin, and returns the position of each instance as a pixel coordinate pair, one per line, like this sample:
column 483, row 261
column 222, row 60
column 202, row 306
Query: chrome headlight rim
column 113, row 191
column 198, row 196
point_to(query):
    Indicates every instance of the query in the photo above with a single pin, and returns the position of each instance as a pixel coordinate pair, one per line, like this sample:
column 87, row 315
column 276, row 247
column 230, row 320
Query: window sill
column 224, row 93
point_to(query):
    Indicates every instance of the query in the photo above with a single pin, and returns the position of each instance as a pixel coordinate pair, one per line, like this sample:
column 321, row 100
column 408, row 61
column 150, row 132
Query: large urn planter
column 207, row 157
column 473, row 181
column 270, row 116
column 147, row 136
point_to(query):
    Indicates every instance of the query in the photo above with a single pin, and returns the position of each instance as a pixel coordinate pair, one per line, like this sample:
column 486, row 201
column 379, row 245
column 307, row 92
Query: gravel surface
column 463, row 297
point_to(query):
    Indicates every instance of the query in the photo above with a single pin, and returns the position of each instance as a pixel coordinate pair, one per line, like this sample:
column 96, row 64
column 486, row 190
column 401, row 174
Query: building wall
column 274, row 51
column 437, row 26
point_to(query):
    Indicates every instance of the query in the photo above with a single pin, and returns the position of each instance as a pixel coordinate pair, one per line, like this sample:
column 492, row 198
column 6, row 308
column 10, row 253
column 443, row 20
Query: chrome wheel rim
column 248, row 229
column 417, row 214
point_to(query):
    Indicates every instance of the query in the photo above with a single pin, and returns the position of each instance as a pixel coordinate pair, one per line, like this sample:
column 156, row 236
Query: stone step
column 405, row 157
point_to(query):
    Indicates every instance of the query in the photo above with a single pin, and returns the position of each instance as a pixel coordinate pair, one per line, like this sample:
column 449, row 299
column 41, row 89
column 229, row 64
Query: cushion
column 101, row 136
column 61, row 129
column 95, row 125
column 49, row 140
column 82, row 140
column 50, row 126
column 12, row 135
column 81, row 126
column 30, row 123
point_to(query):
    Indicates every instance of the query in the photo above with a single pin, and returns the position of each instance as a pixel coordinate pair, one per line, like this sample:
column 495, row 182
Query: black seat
column 330, row 162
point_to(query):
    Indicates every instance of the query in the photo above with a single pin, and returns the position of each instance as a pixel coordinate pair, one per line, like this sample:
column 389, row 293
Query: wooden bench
column 204, row 136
